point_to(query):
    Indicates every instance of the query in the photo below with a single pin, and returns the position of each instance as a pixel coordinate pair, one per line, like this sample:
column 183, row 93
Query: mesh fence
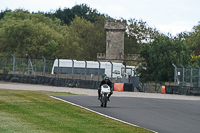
column 25, row 66
column 187, row 77
column 6, row 64
column 42, row 67
column 195, row 78
column 41, row 71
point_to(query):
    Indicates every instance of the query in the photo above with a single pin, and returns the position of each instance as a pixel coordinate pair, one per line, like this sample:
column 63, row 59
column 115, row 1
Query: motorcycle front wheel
column 105, row 99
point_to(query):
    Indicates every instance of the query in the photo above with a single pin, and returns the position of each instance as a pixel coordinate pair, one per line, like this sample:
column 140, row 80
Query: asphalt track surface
column 159, row 115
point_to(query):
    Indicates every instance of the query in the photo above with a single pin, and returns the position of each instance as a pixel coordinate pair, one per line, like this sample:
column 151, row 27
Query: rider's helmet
column 106, row 78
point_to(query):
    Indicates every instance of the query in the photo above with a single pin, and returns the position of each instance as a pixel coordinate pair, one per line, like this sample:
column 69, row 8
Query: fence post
column 191, row 76
column 58, row 68
column 99, row 69
column 28, row 63
column 124, row 63
column 183, row 75
column 72, row 68
column 85, row 68
column 44, row 66
column 199, row 76
column 13, row 64
column 111, row 70
column 175, row 73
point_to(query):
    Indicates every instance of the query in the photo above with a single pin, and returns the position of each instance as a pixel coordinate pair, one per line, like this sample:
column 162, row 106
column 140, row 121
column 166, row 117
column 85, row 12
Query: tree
column 2, row 13
column 67, row 15
column 158, row 58
column 34, row 34
column 70, row 47
column 90, row 38
column 195, row 60
column 23, row 33
column 137, row 32
column 100, row 35
column 193, row 40
column 131, row 45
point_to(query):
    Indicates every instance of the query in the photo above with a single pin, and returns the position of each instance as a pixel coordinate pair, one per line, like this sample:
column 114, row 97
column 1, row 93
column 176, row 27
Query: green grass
column 36, row 112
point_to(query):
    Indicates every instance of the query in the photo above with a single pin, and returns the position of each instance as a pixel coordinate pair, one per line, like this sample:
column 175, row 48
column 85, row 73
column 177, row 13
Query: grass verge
column 35, row 112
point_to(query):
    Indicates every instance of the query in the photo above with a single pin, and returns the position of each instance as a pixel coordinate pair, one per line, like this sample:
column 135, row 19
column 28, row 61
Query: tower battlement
column 115, row 25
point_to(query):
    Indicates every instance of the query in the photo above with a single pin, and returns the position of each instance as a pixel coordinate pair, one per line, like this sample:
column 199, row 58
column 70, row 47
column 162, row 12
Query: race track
column 160, row 115
column 163, row 113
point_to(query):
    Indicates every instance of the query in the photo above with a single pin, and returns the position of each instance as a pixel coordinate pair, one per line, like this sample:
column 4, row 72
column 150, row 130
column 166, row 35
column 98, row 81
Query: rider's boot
column 108, row 99
column 99, row 94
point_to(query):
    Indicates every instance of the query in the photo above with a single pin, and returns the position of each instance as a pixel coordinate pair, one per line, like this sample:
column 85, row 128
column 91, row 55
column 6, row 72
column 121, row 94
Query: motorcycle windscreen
column 105, row 88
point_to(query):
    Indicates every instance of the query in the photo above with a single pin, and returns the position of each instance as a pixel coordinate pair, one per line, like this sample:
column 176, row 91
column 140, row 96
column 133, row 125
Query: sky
column 167, row 16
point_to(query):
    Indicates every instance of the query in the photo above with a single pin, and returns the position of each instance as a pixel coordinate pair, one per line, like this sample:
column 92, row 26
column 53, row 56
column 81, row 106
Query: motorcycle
column 105, row 91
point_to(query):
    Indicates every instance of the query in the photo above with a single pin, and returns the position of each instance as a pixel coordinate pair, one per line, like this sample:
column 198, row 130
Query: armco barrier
column 50, row 81
column 128, row 87
column 194, row 91
column 182, row 90
column 89, row 84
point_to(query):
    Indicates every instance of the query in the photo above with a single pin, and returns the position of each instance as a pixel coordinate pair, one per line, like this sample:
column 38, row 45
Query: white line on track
column 100, row 113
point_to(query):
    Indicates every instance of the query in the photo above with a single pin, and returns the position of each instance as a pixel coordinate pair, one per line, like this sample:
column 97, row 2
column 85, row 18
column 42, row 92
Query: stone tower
column 115, row 40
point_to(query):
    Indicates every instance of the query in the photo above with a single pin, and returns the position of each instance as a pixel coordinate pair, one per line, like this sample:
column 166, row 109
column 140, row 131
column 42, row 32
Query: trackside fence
column 187, row 76
column 39, row 71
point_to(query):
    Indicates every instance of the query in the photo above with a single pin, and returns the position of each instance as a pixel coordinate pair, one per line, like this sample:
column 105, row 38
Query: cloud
column 172, row 16
column 175, row 28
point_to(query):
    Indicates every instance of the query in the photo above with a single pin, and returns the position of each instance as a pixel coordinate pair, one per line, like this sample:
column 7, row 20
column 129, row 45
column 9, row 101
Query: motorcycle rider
column 109, row 83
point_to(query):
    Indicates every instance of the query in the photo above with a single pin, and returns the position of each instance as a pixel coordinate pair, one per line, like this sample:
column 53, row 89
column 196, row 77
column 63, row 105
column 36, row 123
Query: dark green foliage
column 131, row 46
column 158, row 58
column 67, row 15
column 36, row 34
column 23, row 33
column 3, row 13
column 193, row 39
column 137, row 33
